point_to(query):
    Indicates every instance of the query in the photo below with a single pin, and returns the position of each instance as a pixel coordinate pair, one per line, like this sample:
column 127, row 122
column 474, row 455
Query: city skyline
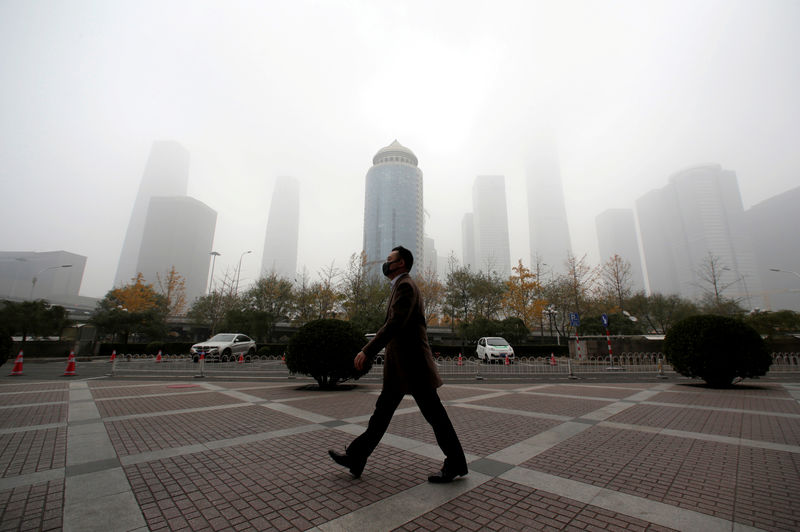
column 254, row 91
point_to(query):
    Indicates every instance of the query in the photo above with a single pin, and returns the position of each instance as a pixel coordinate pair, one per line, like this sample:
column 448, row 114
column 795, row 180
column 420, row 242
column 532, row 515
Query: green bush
column 324, row 349
column 717, row 349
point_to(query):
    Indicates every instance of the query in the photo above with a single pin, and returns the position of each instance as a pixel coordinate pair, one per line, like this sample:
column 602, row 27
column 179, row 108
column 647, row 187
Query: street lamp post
column 214, row 255
column 239, row 270
column 785, row 271
column 33, row 281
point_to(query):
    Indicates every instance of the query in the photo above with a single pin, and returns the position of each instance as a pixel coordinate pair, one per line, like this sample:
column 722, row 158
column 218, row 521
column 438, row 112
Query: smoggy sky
column 631, row 91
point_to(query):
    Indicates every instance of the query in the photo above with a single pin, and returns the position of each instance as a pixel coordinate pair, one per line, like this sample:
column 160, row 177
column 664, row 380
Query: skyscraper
column 547, row 212
column 166, row 174
column 468, row 240
column 280, row 242
column 393, row 214
column 616, row 235
column 773, row 226
column 490, row 218
column 698, row 215
column 179, row 232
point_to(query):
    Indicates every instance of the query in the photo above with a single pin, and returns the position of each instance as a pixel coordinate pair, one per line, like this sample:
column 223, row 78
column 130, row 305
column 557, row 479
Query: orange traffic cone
column 460, row 363
column 17, row 370
column 283, row 359
column 113, row 355
column 552, row 359
column 158, row 356
column 241, row 358
column 507, row 362
column 70, row 371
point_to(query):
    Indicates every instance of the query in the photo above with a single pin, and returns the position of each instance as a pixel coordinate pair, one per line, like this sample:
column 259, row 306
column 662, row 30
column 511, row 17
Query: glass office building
column 393, row 214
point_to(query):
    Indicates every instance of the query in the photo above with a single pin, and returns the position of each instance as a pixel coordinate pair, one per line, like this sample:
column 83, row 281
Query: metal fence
column 454, row 367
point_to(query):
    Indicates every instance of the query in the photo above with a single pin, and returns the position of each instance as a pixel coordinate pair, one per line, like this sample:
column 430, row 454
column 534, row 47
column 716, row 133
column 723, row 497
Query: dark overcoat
column 409, row 361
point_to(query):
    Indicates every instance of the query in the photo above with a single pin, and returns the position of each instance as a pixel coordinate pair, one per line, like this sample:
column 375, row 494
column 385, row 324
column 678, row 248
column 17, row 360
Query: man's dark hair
column 406, row 255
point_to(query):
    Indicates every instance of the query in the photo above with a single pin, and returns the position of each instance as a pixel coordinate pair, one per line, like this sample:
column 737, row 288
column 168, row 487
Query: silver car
column 224, row 347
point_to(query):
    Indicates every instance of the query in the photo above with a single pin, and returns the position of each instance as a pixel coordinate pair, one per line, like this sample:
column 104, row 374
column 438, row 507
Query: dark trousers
column 432, row 409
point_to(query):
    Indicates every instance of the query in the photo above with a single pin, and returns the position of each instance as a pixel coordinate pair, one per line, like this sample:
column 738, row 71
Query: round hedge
column 717, row 349
column 325, row 349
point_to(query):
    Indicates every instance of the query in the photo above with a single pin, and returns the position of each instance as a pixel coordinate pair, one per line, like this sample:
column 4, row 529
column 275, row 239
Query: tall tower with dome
column 393, row 212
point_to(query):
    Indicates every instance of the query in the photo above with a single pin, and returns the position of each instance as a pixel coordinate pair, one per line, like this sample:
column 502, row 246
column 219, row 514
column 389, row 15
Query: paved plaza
column 107, row 454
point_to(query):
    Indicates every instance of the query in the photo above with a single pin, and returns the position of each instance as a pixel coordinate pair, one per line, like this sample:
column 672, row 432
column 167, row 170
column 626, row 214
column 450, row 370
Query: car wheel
column 225, row 355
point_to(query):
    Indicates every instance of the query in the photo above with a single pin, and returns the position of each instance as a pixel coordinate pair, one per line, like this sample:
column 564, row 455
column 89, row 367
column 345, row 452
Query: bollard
column 569, row 367
column 202, row 367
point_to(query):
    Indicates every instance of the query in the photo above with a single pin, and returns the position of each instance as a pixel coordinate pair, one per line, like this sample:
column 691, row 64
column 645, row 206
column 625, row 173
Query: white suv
column 223, row 347
column 493, row 348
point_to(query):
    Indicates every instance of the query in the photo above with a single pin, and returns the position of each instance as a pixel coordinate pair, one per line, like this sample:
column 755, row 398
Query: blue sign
column 574, row 319
column 604, row 319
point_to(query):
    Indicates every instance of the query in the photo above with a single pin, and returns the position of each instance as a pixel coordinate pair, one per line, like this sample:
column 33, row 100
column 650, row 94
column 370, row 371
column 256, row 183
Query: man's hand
column 360, row 360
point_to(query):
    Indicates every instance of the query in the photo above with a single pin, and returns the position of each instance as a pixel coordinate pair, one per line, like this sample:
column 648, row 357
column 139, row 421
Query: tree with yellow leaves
column 173, row 287
column 133, row 308
column 522, row 299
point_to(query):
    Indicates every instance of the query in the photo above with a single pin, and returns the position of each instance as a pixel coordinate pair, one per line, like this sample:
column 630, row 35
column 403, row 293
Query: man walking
column 408, row 368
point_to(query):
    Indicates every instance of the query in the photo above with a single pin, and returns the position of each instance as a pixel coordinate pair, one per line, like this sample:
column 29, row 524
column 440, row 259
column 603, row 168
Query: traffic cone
column 241, row 358
column 552, row 359
column 460, row 363
column 283, row 359
column 158, row 356
column 70, row 371
column 507, row 362
column 17, row 370
column 113, row 355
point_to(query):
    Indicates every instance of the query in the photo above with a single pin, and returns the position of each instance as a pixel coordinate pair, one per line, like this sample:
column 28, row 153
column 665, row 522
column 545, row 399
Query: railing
column 454, row 367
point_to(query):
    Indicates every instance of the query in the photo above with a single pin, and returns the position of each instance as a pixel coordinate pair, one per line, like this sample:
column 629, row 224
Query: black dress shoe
column 446, row 475
column 355, row 466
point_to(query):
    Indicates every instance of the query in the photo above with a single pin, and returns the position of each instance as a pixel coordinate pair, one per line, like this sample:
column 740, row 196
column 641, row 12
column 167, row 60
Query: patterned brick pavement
column 112, row 454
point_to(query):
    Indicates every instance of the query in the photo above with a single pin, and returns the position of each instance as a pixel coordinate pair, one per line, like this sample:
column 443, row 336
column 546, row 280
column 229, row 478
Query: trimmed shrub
column 324, row 350
column 717, row 349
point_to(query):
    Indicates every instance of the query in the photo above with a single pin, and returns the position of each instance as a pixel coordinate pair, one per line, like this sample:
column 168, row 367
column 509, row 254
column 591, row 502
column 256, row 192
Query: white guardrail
column 275, row 367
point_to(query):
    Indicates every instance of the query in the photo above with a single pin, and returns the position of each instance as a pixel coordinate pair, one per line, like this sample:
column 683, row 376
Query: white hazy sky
column 632, row 90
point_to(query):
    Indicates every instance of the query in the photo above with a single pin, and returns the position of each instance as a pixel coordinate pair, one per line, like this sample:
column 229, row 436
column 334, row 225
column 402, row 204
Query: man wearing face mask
column 408, row 368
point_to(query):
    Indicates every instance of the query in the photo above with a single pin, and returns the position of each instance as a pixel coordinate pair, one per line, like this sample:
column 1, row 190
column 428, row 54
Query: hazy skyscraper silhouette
column 490, row 219
column 773, row 226
column 179, row 232
column 166, row 174
column 698, row 215
column 283, row 225
column 547, row 213
column 468, row 240
column 616, row 235
column 393, row 209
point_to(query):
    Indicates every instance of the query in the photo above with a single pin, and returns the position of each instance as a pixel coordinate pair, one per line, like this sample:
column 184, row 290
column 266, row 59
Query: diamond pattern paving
column 561, row 406
column 147, row 405
column 28, row 416
column 282, row 484
column 32, row 450
column 33, row 507
column 138, row 435
column 502, row 505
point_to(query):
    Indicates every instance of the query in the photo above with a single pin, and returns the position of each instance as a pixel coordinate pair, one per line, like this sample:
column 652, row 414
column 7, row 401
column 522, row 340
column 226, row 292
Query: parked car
column 224, row 346
column 381, row 354
column 491, row 348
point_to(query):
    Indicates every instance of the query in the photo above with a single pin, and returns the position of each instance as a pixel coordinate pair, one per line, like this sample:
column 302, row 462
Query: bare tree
column 710, row 275
column 363, row 294
column 579, row 281
column 173, row 287
column 433, row 294
column 616, row 280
